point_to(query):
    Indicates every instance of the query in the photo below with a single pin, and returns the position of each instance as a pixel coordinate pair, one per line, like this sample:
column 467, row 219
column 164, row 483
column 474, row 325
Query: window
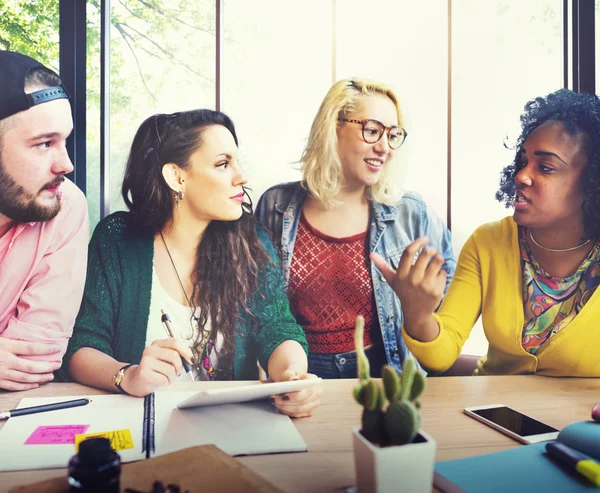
column 92, row 162
column 162, row 60
column 276, row 70
column 504, row 53
column 31, row 28
column 408, row 50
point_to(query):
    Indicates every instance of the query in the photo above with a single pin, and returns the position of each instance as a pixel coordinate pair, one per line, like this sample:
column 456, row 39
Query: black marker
column 43, row 408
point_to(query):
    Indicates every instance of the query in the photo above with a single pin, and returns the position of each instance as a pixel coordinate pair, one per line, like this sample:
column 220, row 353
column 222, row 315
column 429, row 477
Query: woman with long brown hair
column 189, row 246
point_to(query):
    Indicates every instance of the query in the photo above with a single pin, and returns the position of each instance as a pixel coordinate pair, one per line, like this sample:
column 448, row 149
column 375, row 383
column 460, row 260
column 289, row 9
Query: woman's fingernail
column 285, row 397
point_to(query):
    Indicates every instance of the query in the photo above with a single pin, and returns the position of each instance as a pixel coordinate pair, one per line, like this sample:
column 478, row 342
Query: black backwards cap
column 14, row 68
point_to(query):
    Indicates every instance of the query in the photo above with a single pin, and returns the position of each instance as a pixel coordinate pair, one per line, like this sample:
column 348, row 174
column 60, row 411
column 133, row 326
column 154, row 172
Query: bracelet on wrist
column 118, row 379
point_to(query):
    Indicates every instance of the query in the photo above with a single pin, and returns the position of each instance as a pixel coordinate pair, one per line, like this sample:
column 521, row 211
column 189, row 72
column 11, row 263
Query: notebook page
column 237, row 429
column 104, row 413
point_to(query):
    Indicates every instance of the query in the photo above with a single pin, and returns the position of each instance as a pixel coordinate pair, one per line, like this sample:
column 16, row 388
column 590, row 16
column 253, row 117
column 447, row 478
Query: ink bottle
column 95, row 469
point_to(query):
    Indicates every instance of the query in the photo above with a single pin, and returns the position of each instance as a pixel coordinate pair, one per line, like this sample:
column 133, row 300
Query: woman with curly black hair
column 533, row 276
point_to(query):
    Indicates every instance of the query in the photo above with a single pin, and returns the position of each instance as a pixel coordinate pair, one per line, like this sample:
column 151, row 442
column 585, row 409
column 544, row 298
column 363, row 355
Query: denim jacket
column 391, row 230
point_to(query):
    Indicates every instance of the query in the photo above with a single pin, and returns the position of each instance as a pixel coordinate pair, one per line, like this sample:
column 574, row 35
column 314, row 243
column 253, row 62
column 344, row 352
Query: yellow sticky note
column 119, row 439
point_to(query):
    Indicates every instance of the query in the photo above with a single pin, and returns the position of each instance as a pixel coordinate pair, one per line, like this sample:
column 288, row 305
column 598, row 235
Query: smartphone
column 512, row 423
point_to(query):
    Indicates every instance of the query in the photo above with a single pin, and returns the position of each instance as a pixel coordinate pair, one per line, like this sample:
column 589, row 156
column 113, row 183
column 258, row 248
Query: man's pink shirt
column 42, row 275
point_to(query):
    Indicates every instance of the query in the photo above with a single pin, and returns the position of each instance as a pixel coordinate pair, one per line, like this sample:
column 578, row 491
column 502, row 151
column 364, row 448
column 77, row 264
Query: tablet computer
column 229, row 395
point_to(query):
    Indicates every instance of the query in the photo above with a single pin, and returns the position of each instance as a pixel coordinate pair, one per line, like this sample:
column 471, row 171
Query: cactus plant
column 400, row 422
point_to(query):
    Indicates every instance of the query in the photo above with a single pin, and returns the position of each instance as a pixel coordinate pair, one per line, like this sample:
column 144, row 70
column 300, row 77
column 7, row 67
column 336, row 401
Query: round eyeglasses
column 372, row 131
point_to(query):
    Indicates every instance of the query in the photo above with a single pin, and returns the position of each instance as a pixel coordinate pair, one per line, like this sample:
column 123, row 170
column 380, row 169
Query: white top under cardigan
column 181, row 322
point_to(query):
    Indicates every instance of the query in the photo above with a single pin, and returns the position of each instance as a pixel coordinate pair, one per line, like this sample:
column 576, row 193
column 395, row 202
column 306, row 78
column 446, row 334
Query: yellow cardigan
column 488, row 281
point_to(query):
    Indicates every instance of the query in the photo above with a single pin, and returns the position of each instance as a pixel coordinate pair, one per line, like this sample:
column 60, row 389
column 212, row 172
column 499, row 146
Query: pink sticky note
column 55, row 435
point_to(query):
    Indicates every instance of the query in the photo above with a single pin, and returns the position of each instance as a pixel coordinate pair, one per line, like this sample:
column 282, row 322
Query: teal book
column 524, row 469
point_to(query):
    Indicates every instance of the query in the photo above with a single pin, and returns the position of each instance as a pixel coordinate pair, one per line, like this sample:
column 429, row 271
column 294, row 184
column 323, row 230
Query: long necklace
column 205, row 334
column 558, row 249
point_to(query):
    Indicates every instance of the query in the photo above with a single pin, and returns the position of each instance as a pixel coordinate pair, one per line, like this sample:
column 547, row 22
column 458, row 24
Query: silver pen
column 167, row 323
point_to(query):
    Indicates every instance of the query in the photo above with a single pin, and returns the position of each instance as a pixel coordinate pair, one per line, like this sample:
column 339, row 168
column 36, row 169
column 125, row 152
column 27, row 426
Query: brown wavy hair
column 229, row 255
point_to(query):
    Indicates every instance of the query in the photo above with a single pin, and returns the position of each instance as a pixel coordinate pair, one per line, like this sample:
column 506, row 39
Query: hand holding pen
column 160, row 365
column 167, row 323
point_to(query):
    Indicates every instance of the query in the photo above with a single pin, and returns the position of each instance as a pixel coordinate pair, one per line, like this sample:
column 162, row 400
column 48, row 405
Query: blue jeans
column 343, row 365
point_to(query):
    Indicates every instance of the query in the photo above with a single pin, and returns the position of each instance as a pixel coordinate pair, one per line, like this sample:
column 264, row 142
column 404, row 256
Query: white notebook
column 156, row 425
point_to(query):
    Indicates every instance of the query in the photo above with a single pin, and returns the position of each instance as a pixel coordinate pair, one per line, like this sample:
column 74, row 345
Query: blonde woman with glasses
column 345, row 208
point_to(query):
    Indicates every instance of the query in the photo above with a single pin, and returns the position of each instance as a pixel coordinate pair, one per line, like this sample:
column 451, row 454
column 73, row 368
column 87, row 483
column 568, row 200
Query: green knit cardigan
column 114, row 312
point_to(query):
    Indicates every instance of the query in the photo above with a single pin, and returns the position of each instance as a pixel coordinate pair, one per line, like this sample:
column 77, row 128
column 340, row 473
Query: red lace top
column 330, row 284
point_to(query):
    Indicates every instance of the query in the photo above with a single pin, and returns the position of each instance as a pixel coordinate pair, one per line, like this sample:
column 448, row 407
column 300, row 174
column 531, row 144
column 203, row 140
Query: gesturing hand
column 160, row 365
column 302, row 403
column 18, row 373
column 420, row 287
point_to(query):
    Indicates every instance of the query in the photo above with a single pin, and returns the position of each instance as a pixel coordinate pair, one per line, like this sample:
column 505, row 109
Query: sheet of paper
column 237, row 429
column 53, row 435
column 105, row 412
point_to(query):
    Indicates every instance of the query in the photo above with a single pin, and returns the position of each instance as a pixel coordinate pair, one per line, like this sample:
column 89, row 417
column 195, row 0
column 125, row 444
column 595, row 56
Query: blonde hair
column 320, row 163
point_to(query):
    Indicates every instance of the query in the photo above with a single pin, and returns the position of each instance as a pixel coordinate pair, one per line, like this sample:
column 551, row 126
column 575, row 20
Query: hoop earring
column 247, row 206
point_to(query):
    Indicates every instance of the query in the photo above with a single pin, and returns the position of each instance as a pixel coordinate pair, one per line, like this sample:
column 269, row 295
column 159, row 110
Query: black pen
column 167, row 323
column 43, row 408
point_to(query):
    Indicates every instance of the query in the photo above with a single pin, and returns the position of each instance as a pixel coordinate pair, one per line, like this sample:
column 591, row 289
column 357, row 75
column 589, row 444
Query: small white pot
column 400, row 468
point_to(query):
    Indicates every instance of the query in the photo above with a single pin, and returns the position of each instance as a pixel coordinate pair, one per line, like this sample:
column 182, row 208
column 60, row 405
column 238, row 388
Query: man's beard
column 21, row 206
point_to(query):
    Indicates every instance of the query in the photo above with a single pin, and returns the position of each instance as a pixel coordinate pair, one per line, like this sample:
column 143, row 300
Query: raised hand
column 420, row 286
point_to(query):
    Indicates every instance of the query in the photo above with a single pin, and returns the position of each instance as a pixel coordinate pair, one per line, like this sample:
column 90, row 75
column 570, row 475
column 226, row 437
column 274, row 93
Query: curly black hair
column 580, row 116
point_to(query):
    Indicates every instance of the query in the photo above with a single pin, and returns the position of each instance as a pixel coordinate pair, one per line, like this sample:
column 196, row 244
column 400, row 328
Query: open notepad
column 155, row 424
column 523, row 469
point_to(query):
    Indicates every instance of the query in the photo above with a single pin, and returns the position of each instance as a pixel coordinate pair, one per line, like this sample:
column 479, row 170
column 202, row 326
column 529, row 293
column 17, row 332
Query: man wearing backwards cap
column 44, row 225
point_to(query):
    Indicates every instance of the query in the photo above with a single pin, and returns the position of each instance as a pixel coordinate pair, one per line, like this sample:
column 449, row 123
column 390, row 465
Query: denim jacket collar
column 293, row 201
column 381, row 212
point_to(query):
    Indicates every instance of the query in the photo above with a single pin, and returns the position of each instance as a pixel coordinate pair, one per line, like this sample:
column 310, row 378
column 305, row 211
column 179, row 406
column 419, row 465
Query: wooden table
column 329, row 466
